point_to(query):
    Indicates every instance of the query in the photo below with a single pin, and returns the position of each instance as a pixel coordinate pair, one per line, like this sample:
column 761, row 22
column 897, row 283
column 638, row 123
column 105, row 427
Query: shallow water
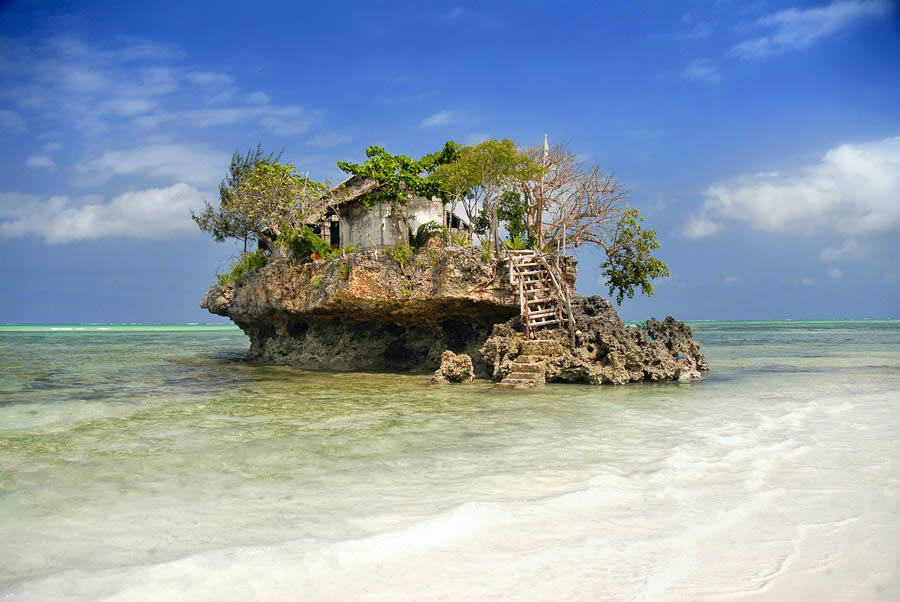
column 148, row 462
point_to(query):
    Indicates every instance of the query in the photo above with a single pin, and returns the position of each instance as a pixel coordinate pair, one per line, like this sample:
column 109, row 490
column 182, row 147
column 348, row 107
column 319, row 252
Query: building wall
column 384, row 225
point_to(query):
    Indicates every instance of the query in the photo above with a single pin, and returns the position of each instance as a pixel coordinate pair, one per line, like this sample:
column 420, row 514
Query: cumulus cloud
column 852, row 194
column 798, row 28
column 194, row 164
column 440, row 118
column 146, row 214
column 40, row 162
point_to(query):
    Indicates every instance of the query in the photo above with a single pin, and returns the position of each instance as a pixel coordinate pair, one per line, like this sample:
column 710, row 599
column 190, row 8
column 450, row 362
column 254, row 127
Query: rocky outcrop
column 444, row 309
column 367, row 311
column 454, row 369
column 605, row 350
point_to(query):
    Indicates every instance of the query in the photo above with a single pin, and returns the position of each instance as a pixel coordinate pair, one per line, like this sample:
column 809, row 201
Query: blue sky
column 760, row 139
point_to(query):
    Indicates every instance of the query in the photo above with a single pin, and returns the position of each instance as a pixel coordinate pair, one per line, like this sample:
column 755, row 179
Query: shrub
column 401, row 254
column 350, row 249
column 516, row 243
column 247, row 263
column 485, row 251
column 462, row 240
column 317, row 281
column 343, row 270
column 304, row 242
column 427, row 231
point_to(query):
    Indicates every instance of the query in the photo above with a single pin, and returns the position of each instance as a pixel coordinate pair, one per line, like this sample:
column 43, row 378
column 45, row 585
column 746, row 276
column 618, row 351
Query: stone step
column 532, row 359
column 512, row 385
column 539, row 347
column 531, row 367
column 523, row 376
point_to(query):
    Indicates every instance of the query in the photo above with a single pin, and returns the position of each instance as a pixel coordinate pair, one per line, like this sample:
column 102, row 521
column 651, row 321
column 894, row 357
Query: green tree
column 629, row 260
column 274, row 198
column 224, row 222
column 483, row 173
column 400, row 177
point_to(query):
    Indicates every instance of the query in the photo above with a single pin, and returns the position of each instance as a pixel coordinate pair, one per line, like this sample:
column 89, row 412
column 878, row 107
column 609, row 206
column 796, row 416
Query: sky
column 760, row 139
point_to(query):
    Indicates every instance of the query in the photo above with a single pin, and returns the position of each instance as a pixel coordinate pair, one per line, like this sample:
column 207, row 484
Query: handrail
column 564, row 295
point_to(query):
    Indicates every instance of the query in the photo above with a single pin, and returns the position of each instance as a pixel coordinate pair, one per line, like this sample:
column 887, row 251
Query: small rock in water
column 454, row 369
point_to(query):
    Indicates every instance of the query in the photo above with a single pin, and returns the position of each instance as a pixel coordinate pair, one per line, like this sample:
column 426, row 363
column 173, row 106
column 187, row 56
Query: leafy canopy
column 629, row 261
column 401, row 177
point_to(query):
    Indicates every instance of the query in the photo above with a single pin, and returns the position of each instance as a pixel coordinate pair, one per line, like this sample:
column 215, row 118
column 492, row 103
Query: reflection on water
column 134, row 460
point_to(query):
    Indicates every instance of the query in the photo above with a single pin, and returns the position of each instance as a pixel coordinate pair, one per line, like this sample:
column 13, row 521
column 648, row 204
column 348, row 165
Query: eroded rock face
column 454, row 369
column 605, row 351
column 368, row 312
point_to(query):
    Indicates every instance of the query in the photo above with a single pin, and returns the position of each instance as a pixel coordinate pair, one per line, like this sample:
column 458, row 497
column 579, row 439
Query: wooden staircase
column 544, row 302
column 543, row 294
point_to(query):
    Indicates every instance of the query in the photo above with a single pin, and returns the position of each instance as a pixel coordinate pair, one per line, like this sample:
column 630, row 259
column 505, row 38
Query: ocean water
column 147, row 462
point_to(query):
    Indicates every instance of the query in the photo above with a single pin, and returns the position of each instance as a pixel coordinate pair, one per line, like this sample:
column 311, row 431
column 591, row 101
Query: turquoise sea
column 148, row 462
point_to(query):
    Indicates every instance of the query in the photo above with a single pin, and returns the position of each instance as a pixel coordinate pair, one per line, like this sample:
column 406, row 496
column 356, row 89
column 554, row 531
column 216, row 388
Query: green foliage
column 401, row 254
column 461, row 240
column 303, row 242
column 316, row 282
column 343, row 270
column 350, row 249
column 400, row 176
column 246, row 264
column 485, row 251
column 482, row 173
column 516, row 243
column 425, row 232
column 226, row 221
column 629, row 261
column 434, row 257
column 512, row 211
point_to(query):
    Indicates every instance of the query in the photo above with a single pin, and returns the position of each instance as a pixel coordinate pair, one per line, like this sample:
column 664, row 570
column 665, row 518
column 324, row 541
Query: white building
column 384, row 224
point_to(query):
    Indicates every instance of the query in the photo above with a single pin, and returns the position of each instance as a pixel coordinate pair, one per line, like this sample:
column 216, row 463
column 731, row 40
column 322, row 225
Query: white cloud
column 440, row 118
column 208, row 78
column 798, row 28
column 133, row 86
column 13, row 203
column 40, row 162
column 808, row 282
column 12, row 121
column 52, row 147
column 852, row 193
column 835, row 274
column 730, row 280
column 329, row 139
column 851, row 249
column 702, row 70
column 146, row 214
column 191, row 163
column 699, row 226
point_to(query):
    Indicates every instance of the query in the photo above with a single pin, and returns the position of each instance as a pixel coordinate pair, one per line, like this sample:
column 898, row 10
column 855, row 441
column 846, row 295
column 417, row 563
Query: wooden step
column 543, row 323
column 544, row 312
column 541, row 300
